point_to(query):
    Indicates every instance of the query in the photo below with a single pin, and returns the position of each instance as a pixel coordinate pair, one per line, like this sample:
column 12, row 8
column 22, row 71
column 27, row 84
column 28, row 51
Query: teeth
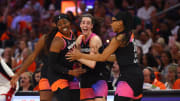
column 65, row 29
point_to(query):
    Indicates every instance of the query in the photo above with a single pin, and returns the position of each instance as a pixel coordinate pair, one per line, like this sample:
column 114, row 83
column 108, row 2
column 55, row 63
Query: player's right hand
column 14, row 80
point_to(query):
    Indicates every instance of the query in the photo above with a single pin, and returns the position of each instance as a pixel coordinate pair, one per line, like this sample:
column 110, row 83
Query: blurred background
column 156, row 29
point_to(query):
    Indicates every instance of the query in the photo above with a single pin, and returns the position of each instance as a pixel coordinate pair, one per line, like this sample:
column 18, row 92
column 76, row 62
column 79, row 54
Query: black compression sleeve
column 53, row 63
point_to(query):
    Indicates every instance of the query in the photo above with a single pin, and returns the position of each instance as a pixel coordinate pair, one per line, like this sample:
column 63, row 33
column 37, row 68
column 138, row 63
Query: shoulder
column 95, row 38
column 120, row 37
column 57, row 44
column 43, row 38
column 95, row 41
column 58, row 40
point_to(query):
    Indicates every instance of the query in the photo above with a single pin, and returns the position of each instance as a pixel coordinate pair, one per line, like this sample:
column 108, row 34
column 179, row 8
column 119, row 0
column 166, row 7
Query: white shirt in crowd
column 145, row 14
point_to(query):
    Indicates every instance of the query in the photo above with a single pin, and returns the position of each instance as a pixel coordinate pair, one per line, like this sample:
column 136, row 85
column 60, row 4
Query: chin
column 84, row 33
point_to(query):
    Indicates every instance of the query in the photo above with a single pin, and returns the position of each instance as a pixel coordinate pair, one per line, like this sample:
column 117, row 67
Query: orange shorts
column 61, row 83
column 44, row 84
column 84, row 95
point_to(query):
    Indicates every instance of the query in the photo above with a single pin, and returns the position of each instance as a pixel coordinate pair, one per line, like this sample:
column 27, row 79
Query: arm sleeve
column 53, row 63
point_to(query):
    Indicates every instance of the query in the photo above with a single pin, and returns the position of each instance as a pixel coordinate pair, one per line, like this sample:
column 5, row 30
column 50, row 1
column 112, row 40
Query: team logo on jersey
column 71, row 45
column 85, row 50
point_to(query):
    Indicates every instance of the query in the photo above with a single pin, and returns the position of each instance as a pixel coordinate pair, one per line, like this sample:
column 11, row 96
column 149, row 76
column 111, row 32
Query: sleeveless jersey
column 91, row 75
column 69, row 43
column 129, row 68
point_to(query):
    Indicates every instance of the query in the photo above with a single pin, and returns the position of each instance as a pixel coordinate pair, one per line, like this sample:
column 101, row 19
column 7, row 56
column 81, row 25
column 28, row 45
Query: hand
column 14, row 80
column 77, row 72
column 75, row 54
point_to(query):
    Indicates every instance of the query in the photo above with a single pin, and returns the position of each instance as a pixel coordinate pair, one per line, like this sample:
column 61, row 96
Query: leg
column 100, row 99
column 75, row 94
column 89, row 100
column 121, row 98
column 46, row 95
column 63, row 94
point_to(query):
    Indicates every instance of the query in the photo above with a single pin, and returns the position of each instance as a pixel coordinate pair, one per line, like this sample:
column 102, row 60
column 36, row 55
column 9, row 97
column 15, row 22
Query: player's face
column 64, row 26
column 86, row 25
column 117, row 25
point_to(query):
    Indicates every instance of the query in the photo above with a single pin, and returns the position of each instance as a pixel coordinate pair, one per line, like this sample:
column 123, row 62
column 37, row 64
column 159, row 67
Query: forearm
column 94, row 57
column 26, row 64
column 111, row 58
column 91, row 64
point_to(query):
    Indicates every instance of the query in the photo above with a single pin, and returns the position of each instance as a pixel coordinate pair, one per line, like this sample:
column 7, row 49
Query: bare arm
column 95, row 44
column 111, row 48
column 39, row 46
column 111, row 58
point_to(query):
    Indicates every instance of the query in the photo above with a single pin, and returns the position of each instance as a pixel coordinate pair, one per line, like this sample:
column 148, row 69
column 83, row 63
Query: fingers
column 69, row 58
column 13, row 83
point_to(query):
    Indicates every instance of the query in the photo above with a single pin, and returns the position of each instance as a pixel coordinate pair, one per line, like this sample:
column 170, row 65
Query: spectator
column 26, row 82
column 178, row 72
column 7, row 56
column 171, row 76
column 36, row 77
column 136, row 19
column 150, row 81
column 149, row 60
column 159, row 4
column 176, row 84
column 166, row 59
column 115, row 74
column 146, row 11
column 144, row 41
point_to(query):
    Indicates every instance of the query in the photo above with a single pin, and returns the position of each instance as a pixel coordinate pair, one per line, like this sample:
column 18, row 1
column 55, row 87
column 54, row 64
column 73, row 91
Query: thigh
column 75, row 93
column 121, row 98
column 63, row 94
column 100, row 99
column 46, row 95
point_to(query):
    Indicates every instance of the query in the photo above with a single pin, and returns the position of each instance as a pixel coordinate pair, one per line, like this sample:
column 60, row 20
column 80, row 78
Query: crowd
column 157, row 36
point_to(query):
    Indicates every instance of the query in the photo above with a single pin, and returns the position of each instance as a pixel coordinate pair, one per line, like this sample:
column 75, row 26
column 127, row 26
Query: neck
column 147, row 6
column 86, row 36
column 26, row 88
column 121, row 31
column 68, row 34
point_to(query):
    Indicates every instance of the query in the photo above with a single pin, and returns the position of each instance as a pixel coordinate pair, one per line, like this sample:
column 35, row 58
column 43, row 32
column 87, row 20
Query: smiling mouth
column 65, row 29
column 85, row 30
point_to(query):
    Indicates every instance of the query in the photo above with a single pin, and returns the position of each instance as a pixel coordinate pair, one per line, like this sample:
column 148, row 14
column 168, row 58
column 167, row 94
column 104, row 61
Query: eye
column 114, row 20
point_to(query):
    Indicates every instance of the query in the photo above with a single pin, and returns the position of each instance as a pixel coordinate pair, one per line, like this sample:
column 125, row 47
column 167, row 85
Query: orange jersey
column 159, row 84
column 176, row 84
